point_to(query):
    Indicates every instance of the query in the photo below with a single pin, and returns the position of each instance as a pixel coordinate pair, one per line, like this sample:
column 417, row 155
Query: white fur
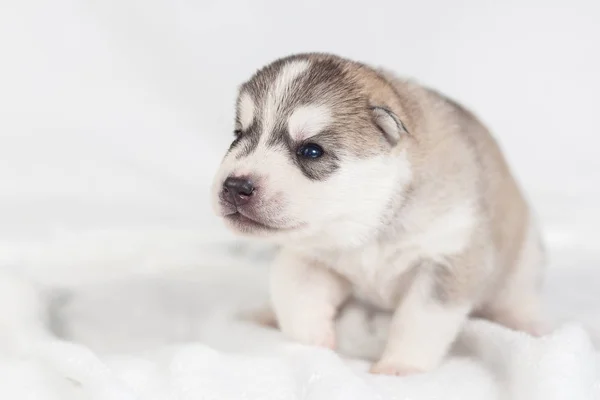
column 375, row 269
column 307, row 121
column 306, row 299
column 421, row 332
column 278, row 92
column 351, row 214
column 442, row 234
column 246, row 110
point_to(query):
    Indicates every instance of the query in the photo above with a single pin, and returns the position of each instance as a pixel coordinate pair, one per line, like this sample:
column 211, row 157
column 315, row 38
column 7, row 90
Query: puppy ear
column 389, row 124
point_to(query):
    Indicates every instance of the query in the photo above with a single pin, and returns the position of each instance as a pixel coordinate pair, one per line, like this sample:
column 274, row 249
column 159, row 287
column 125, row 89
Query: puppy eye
column 310, row 150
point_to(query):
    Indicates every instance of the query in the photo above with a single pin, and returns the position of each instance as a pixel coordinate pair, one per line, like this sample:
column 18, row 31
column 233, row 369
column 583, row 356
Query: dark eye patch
column 314, row 168
column 321, row 168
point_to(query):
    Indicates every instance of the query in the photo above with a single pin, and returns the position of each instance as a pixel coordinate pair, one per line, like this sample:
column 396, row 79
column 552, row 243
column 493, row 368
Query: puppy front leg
column 423, row 327
column 306, row 297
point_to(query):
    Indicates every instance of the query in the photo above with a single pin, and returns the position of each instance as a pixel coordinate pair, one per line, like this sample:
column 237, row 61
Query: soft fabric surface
column 173, row 332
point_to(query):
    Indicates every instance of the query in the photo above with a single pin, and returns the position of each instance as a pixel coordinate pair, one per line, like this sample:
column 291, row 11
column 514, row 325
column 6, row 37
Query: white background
column 116, row 113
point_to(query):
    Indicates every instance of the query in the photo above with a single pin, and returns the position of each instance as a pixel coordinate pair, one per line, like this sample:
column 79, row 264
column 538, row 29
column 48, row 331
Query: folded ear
column 389, row 124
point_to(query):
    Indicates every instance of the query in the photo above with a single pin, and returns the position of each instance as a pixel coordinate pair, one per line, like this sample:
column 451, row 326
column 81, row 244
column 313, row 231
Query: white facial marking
column 246, row 110
column 349, row 216
column 307, row 121
column 279, row 91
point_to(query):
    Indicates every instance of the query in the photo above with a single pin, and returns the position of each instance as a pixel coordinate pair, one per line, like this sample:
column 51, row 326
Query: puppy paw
column 329, row 341
column 310, row 332
column 320, row 338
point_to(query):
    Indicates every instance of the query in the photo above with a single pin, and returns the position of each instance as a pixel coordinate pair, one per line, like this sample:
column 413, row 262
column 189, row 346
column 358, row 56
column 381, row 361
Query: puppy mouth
column 247, row 224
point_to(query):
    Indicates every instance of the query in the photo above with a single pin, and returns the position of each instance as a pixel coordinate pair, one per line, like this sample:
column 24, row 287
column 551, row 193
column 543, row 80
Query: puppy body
column 411, row 207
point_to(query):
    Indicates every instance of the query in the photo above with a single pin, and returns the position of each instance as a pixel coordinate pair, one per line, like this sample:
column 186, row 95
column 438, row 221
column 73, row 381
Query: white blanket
column 172, row 332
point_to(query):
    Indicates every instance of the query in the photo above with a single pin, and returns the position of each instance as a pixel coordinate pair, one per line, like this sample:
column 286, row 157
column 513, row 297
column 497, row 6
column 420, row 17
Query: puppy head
column 319, row 152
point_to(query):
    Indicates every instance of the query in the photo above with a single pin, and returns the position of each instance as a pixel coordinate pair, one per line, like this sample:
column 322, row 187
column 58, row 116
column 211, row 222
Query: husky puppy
column 378, row 188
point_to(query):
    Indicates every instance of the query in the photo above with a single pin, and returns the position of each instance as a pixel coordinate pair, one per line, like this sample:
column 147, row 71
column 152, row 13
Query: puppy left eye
column 310, row 150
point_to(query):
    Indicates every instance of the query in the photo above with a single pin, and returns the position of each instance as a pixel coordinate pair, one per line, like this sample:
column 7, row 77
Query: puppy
column 381, row 189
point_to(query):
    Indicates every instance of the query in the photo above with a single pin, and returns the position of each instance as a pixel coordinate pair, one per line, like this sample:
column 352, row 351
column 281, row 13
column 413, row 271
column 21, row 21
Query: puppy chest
column 377, row 274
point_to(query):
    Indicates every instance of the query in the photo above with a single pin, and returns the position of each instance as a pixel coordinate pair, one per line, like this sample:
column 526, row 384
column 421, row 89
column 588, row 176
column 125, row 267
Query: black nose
column 237, row 190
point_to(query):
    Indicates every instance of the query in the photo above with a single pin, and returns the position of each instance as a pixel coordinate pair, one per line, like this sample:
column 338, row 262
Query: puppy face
column 312, row 158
